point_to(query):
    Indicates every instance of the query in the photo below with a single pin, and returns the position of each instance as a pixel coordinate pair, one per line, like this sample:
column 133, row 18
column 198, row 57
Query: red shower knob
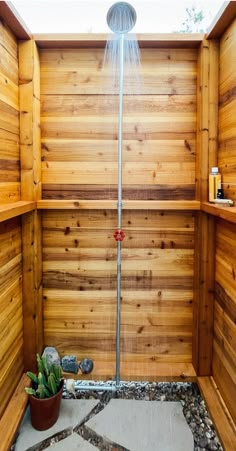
column 119, row 235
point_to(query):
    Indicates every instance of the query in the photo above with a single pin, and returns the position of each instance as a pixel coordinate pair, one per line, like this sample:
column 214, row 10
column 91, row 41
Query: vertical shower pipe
column 119, row 204
column 121, row 18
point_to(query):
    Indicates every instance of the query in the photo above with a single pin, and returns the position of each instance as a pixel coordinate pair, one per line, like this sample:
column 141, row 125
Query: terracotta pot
column 45, row 412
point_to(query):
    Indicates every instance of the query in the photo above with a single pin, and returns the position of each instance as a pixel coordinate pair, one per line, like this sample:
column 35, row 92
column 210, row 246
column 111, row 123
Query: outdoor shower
column 121, row 18
column 121, row 51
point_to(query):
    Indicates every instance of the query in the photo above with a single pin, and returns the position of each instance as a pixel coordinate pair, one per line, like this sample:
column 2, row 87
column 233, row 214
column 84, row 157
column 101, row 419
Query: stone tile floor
column 130, row 424
column 138, row 417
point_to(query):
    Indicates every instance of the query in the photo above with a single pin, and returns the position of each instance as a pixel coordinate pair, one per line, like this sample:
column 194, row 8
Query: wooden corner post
column 30, row 149
column 207, row 141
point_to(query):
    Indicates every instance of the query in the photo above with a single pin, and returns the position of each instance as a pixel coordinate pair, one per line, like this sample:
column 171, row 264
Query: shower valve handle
column 119, row 235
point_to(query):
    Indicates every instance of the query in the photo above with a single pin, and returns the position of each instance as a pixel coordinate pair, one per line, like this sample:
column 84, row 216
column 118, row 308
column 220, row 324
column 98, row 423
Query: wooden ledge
column 228, row 213
column 221, row 417
column 10, row 421
column 11, row 210
column 154, row 371
column 94, row 40
column 112, row 204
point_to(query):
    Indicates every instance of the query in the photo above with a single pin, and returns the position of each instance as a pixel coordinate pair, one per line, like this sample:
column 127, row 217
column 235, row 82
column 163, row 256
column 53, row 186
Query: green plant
column 47, row 382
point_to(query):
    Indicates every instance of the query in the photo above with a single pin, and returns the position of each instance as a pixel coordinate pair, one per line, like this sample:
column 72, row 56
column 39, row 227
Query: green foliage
column 46, row 383
column 193, row 21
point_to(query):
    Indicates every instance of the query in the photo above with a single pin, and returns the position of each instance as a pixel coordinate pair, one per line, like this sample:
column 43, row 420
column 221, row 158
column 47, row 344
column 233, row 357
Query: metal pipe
column 119, row 203
column 95, row 387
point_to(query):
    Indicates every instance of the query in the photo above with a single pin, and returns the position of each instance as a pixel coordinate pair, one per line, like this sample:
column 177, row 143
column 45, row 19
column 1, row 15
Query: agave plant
column 47, row 382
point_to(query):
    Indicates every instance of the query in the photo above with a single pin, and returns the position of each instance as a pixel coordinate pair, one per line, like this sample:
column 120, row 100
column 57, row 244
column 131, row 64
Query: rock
column 212, row 446
column 69, row 364
column 86, row 366
column 52, row 356
column 203, row 442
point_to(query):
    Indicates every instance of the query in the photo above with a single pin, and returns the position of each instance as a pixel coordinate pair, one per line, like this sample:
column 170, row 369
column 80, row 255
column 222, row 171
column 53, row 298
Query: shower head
column 121, row 17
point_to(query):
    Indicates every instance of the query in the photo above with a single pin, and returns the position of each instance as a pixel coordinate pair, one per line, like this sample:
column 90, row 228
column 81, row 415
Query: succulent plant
column 47, row 382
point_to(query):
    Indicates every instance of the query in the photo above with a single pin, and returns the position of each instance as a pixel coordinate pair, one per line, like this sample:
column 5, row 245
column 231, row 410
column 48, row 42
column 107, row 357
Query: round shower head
column 121, row 17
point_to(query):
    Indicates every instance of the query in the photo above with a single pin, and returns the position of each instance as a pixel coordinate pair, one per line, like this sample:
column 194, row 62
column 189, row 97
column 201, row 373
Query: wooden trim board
column 11, row 17
column 93, row 40
column 223, row 19
column 13, row 414
column 223, row 422
column 112, row 204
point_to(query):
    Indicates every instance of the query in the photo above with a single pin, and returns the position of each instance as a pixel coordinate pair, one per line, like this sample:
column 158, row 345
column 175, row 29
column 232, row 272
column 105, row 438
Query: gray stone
column 72, row 413
column 212, row 446
column 69, row 364
column 144, row 425
column 203, row 442
column 52, row 356
column 73, row 443
column 86, row 366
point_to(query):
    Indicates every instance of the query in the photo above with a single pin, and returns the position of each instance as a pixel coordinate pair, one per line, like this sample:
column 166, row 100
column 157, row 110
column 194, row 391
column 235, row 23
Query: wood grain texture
column 109, row 204
column 11, row 317
column 223, row 422
column 79, row 278
column 13, row 413
column 224, row 356
column 29, row 75
column 204, row 279
column 32, row 288
column 79, row 125
column 227, row 108
column 149, row 40
column 9, row 120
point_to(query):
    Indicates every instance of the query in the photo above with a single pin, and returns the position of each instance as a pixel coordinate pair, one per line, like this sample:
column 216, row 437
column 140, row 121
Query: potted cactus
column 45, row 394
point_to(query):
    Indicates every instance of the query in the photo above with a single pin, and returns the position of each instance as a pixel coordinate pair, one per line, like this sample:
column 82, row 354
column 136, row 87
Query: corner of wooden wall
column 30, row 151
column 207, row 146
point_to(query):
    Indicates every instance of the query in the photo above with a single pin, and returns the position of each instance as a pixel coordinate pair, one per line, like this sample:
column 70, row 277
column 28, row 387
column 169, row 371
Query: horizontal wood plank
column 110, row 204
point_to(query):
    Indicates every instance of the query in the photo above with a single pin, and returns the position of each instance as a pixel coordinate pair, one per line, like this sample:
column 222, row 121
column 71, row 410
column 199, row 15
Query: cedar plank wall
column 9, row 118
column 224, row 356
column 79, row 160
column 11, row 334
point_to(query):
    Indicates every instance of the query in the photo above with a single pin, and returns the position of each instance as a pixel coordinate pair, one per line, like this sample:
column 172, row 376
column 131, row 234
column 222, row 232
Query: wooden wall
column 11, row 318
column 79, row 126
column 9, row 119
column 224, row 349
column 79, row 161
column 227, row 108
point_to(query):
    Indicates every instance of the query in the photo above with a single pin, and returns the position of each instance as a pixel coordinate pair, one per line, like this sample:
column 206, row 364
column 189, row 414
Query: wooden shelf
column 112, row 204
column 228, row 213
column 155, row 371
column 223, row 421
column 94, row 40
column 8, row 211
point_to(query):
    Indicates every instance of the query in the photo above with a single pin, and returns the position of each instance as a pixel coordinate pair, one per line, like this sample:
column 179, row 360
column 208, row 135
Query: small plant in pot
column 45, row 394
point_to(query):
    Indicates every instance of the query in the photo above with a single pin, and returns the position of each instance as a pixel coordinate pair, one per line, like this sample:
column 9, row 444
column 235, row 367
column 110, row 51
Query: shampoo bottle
column 214, row 183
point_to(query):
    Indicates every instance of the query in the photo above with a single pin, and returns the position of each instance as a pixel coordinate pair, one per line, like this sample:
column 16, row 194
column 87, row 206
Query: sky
column 89, row 16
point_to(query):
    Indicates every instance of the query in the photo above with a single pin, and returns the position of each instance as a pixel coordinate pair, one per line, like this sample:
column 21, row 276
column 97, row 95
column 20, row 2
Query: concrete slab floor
column 144, row 425
column 73, row 443
column 133, row 424
column 72, row 413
